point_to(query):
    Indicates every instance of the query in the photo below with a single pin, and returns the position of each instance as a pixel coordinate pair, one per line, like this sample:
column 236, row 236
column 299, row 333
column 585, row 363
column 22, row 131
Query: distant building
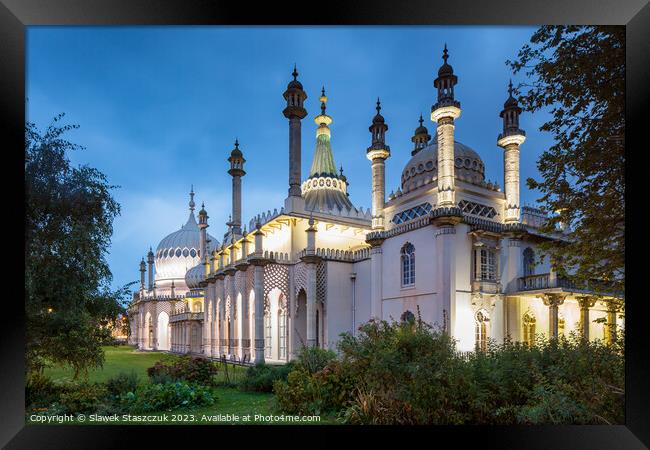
column 447, row 242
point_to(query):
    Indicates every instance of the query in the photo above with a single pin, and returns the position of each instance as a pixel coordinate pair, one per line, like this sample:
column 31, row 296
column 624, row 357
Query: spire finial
column 341, row 169
column 510, row 87
column 323, row 100
column 295, row 72
column 445, row 53
column 192, row 199
column 236, row 143
column 378, row 108
column 421, row 119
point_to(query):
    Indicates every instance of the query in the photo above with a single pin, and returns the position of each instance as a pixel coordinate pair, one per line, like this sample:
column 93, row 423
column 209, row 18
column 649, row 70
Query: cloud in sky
column 160, row 108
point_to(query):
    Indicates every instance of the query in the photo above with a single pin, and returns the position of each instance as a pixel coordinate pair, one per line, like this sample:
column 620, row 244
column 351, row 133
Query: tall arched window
column 282, row 333
column 529, row 322
column 529, row 262
column 408, row 264
column 482, row 327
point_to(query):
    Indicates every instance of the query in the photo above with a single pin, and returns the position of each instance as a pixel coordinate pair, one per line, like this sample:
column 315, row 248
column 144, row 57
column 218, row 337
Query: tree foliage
column 578, row 73
column 68, row 225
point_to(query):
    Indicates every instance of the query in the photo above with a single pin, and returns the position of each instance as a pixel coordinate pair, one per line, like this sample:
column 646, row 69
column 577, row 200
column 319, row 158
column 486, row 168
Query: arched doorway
column 148, row 331
column 300, row 321
column 163, row 331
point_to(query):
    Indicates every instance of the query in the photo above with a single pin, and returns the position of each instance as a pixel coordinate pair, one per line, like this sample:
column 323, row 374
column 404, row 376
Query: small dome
column 294, row 84
column 194, row 276
column 445, row 70
column 422, row 168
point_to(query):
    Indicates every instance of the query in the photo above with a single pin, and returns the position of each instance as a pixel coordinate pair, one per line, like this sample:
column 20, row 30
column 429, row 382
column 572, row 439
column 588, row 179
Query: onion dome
column 324, row 190
column 195, row 276
column 421, row 137
column 422, row 168
column 445, row 69
column 181, row 250
column 294, row 84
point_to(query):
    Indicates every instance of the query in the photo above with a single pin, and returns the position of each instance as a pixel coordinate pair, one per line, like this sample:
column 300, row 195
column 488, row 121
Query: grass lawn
column 118, row 359
column 229, row 400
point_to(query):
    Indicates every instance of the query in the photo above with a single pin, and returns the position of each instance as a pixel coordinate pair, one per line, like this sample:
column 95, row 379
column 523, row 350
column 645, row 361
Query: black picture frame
column 15, row 15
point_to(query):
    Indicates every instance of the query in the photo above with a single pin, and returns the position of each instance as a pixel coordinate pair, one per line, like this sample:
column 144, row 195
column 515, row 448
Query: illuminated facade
column 447, row 244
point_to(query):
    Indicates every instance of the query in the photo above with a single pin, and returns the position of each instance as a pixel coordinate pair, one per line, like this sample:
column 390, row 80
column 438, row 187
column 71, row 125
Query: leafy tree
column 68, row 226
column 578, row 72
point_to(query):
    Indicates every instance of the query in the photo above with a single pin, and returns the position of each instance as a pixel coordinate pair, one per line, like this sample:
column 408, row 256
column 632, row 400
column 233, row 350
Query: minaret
column 236, row 171
column 143, row 269
column 203, row 225
column 295, row 112
column 444, row 112
column 378, row 152
column 421, row 137
column 150, row 261
column 510, row 140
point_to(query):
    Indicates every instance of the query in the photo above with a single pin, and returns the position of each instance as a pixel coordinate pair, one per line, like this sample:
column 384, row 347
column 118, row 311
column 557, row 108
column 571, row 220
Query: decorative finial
column 203, row 205
column 378, row 108
column 295, row 72
column 421, row 120
column 445, row 54
column 323, row 100
column 341, row 169
column 236, row 143
column 510, row 88
column 192, row 199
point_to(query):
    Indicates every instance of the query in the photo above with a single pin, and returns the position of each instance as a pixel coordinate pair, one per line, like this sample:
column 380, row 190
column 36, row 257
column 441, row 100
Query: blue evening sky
column 160, row 108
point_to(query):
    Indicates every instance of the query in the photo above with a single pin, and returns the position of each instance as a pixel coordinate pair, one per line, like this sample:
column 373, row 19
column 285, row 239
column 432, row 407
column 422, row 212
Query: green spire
column 323, row 162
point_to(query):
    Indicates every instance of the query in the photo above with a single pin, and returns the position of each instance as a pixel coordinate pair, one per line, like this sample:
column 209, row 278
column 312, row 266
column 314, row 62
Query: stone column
column 511, row 144
column 445, row 235
column 232, row 341
column 258, row 282
column 446, row 176
column 311, row 259
column 378, row 158
column 221, row 299
column 553, row 301
column 585, row 302
column 150, row 262
column 376, row 266
column 242, row 267
column 258, row 261
column 294, row 156
column 613, row 308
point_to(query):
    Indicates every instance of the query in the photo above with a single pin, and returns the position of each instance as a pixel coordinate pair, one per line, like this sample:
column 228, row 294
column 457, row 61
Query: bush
column 260, row 378
column 157, row 397
column 122, row 383
column 410, row 373
column 41, row 391
column 84, row 398
column 191, row 369
column 314, row 359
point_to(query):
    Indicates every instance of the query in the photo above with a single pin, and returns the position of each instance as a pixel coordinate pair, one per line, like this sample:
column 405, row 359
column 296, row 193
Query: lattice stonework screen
column 321, row 283
column 476, row 209
column 276, row 276
column 412, row 213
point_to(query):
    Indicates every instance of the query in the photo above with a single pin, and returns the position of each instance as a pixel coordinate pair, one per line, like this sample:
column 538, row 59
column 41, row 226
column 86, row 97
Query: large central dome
column 179, row 251
column 422, row 168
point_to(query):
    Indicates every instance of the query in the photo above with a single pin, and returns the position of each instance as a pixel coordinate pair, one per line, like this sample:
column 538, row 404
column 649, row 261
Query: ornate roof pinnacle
column 510, row 87
column 445, row 54
column 192, row 204
column 295, row 72
column 378, row 108
column 421, row 119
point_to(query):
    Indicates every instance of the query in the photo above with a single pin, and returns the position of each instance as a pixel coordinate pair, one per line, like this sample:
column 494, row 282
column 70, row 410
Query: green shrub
column 260, row 378
column 41, row 391
column 191, row 369
column 410, row 373
column 157, row 397
column 314, row 359
column 122, row 383
column 84, row 398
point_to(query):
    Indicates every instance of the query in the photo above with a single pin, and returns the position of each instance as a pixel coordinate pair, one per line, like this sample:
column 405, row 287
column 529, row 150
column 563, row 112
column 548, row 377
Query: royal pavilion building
column 448, row 245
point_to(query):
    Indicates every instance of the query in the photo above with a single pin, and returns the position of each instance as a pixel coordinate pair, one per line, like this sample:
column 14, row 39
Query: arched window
column 529, row 262
column 482, row 327
column 408, row 264
column 282, row 333
column 529, row 322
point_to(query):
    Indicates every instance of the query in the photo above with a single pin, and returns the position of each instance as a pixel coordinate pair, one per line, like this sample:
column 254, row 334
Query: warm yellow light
column 49, row 310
